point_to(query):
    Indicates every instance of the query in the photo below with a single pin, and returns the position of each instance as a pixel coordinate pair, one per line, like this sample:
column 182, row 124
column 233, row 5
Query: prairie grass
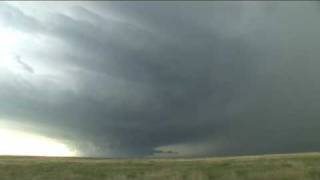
column 305, row 166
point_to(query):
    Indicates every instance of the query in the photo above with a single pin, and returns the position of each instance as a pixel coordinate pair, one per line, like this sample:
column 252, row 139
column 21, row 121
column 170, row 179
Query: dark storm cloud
column 193, row 78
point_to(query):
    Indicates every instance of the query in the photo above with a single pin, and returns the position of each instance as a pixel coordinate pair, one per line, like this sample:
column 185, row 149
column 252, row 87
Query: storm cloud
column 172, row 78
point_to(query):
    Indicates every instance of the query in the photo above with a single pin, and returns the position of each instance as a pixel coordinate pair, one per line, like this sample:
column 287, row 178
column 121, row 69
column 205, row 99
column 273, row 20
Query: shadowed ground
column 267, row 167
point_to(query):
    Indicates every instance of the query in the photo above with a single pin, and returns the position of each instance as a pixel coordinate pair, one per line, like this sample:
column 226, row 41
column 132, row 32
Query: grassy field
column 268, row 167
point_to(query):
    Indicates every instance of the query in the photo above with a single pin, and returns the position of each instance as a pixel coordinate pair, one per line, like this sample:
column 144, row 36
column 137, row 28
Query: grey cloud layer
column 210, row 77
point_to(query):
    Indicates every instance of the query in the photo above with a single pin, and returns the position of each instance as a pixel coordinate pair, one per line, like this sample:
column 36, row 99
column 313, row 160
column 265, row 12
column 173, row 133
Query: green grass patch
column 268, row 167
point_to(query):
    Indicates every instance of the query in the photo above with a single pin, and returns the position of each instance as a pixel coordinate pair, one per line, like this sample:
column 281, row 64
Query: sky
column 140, row 79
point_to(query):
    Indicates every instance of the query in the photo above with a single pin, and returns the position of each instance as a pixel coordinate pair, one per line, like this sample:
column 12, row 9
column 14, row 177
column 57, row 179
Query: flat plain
column 302, row 166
